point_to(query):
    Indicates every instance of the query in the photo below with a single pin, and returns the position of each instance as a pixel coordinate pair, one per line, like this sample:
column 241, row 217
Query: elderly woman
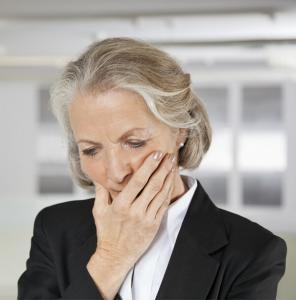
column 132, row 121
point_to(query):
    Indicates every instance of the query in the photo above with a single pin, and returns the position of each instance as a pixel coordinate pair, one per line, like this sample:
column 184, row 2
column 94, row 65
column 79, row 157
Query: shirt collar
column 177, row 210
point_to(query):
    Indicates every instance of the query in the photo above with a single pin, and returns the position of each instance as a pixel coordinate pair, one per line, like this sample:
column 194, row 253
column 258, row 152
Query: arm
column 39, row 280
column 260, row 278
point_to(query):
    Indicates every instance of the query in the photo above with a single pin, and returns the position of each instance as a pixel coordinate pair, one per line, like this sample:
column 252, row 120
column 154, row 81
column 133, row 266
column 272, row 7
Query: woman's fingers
column 155, row 185
column 137, row 182
column 161, row 202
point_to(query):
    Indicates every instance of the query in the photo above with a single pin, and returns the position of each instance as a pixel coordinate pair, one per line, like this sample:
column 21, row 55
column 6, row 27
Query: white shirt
column 143, row 280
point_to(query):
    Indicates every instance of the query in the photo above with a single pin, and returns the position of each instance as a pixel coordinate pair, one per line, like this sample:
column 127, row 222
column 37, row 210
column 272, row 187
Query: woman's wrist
column 111, row 256
column 107, row 273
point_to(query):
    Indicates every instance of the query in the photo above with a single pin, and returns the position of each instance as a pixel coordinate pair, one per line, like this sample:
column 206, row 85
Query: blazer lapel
column 191, row 269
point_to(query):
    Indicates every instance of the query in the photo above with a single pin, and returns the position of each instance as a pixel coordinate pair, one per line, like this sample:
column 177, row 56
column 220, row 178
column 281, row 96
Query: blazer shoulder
column 247, row 237
column 67, row 214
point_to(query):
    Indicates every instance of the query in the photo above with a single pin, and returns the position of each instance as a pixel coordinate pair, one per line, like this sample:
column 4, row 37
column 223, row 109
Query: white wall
column 17, row 178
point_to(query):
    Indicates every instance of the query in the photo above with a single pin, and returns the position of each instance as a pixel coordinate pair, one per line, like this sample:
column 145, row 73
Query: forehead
column 118, row 110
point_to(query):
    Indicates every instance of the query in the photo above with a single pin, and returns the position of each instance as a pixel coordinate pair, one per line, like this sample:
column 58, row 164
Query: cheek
column 92, row 170
column 137, row 158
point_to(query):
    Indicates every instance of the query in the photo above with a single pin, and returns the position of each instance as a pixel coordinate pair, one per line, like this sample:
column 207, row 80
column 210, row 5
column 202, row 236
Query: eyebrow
column 127, row 133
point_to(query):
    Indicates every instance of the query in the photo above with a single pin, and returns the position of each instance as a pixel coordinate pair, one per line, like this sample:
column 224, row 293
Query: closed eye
column 93, row 151
column 136, row 145
column 89, row 152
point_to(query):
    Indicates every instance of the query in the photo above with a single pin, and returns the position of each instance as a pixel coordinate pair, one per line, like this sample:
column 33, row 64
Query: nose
column 116, row 165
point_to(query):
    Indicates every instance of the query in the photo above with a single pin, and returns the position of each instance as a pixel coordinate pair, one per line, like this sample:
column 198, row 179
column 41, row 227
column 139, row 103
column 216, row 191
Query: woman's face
column 115, row 132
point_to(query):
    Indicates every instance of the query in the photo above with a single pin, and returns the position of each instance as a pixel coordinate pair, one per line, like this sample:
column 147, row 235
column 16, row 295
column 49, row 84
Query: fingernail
column 157, row 155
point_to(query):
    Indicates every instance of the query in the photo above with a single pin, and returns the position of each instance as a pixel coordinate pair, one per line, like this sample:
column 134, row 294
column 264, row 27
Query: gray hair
column 142, row 68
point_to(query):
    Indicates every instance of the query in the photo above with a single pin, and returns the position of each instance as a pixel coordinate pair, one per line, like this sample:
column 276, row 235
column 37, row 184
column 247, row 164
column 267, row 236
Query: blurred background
column 242, row 59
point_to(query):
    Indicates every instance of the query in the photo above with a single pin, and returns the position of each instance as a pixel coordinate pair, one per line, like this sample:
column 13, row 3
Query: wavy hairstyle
column 142, row 68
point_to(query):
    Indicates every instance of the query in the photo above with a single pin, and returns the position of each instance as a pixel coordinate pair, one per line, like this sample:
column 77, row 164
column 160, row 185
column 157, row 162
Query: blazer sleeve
column 260, row 278
column 39, row 280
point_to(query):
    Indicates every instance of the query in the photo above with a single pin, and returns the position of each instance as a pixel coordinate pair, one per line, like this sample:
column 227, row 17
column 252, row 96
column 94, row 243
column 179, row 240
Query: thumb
column 102, row 196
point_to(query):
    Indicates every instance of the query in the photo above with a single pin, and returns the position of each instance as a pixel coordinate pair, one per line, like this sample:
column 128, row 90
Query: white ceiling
column 39, row 33
column 128, row 8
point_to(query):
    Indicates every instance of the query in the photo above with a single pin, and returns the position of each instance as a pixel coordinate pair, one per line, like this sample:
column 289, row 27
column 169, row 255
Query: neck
column 180, row 188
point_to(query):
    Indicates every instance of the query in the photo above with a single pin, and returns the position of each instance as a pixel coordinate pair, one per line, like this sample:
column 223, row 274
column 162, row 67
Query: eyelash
column 91, row 152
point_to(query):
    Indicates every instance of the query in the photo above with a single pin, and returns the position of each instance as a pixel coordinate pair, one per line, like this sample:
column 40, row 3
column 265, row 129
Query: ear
column 182, row 136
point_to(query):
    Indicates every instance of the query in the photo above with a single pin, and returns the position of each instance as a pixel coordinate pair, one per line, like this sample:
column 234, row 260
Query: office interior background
column 242, row 59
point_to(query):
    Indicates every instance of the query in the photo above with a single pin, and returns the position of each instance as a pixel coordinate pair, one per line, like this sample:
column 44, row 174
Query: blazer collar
column 191, row 269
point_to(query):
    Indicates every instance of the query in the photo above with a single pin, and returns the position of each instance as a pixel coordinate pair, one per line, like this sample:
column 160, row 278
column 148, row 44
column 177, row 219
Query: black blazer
column 217, row 255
